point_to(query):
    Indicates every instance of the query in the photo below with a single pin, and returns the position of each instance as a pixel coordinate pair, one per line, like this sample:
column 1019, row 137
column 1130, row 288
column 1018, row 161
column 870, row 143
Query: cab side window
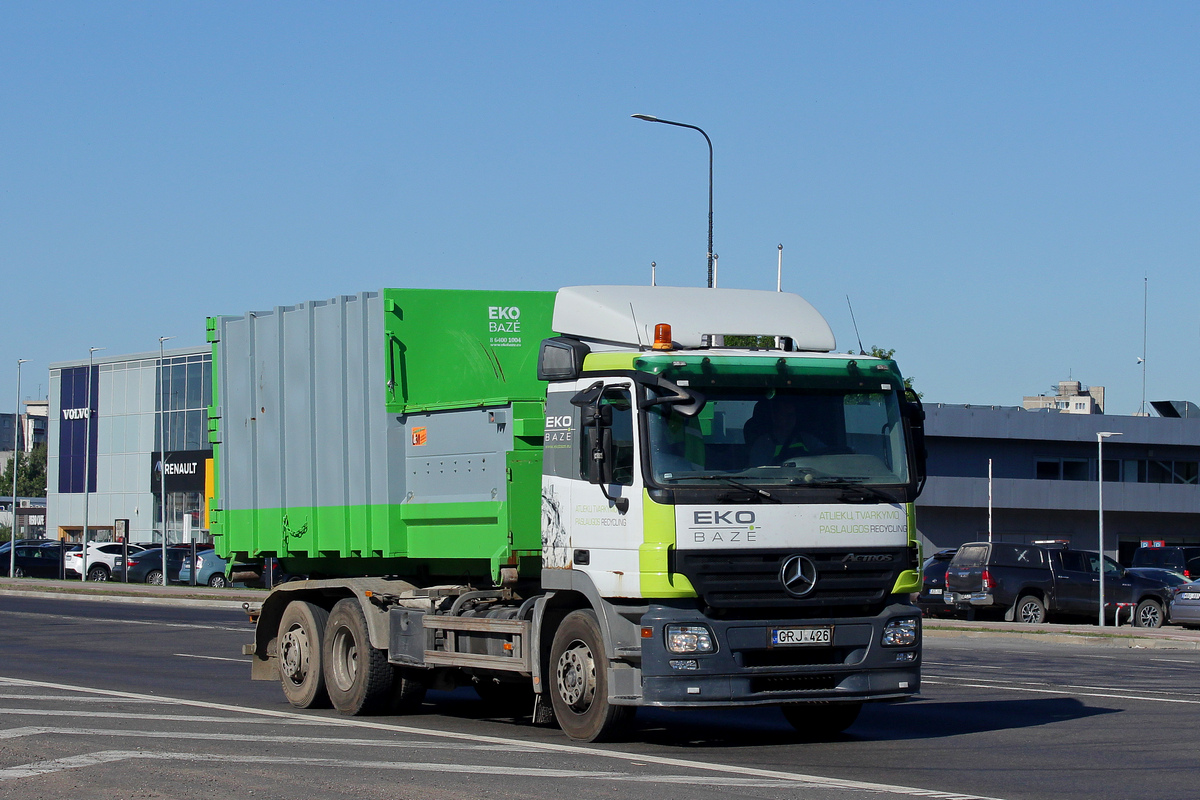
column 619, row 400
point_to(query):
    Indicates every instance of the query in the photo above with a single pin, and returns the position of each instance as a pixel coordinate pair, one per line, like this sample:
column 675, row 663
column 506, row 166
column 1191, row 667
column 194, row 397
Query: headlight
column 690, row 639
column 900, row 633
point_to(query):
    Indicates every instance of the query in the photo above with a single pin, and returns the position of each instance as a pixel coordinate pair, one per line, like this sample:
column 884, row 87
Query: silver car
column 1185, row 605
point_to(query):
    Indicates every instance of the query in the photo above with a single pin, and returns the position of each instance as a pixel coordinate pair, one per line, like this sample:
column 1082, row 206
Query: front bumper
column 746, row 670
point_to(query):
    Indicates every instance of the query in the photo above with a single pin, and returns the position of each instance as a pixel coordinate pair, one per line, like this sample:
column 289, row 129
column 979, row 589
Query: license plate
column 794, row 637
column 935, row 591
column 1190, row 595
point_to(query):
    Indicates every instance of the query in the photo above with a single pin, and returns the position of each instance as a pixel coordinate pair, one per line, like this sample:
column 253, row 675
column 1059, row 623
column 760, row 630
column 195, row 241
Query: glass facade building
column 134, row 422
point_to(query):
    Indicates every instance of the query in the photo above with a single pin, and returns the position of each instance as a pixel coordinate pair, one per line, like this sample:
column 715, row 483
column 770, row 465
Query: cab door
column 605, row 518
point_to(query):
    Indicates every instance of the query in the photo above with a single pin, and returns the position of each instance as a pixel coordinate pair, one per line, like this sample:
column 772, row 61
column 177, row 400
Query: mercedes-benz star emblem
column 798, row 576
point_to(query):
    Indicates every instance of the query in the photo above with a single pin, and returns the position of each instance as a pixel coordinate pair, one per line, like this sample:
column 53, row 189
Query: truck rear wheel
column 357, row 676
column 579, row 681
column 301, row 635
column 819, row 720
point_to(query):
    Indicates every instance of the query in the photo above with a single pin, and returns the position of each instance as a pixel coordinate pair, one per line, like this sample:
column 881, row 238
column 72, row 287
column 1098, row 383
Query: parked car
column 210, row 569
column 1185, row 560
column 1185, row 605
column 1029, row 582
column 145, row 566
column 933, row 584
column 103, row 558
column 33, row 561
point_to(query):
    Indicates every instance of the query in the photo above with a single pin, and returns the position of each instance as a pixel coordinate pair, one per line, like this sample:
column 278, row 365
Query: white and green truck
column 587, row 500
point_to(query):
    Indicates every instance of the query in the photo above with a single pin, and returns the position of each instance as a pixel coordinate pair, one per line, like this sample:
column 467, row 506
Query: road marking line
column 213, row 658
column 66, row 699
column 16, row 733
column 577, row 750
column 37, row 712
column 109, row 756
column 1011, row 681
column 60, row 764
column 164, row 624
column 1062, row 692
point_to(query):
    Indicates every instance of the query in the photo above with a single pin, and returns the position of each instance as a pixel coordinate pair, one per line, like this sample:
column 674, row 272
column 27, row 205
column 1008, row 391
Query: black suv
column 933, row 583
column 1184, row 560
column 1027, row 582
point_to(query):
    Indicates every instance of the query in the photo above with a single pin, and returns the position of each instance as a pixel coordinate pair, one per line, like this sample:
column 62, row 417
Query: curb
column 1062, row 634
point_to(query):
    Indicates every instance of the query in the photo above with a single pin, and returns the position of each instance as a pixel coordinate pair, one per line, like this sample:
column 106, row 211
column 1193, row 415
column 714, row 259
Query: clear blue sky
column 990, row 183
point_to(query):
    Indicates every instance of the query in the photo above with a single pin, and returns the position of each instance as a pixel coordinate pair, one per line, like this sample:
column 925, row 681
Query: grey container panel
column 463, row 459
column 302, row 396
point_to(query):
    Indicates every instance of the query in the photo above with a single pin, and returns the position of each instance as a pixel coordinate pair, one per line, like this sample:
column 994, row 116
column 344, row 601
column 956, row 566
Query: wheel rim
column 345, row 659
column 97, row 575
column 294, row 654
column 576, row 672
column 1030, row 612
column 19, row 573
column 1149, row 616
column 155, row 578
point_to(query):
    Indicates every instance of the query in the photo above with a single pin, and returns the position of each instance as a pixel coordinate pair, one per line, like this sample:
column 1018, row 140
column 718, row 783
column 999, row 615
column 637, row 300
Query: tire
column 821, row 720
column 154, row 577
column 1030, row 610
column 97, row 572
column 579, row 681
column 300, row 643
column 358, row 678
column 218, row 581
column 1148, row 614
column 19, row 572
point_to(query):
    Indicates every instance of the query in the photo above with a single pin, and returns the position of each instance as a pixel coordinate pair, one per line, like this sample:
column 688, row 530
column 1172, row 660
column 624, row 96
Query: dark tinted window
column 1148, row 557
column 1008, row 555
column 971, row 555
column 1074, row 561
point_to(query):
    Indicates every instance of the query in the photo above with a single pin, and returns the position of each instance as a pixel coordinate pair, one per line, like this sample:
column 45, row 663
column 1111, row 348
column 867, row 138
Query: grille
column 795, row 683
column 796, row 657
column 750, row 579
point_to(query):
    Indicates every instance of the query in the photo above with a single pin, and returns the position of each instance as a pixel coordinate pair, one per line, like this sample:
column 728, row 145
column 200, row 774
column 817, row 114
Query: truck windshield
column 782, row 437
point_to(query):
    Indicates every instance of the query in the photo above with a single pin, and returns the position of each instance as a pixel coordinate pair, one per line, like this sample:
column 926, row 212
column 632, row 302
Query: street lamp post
column 162, row 453
column 648, row 118
column 12, row 536
column 1100, row 437
column 87, row 464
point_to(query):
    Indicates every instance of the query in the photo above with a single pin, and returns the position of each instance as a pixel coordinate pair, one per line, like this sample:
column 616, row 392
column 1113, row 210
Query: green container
column 392, row 432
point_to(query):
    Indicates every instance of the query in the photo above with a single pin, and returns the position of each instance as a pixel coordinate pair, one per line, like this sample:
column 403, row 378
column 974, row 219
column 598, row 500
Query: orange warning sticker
column 419, row 437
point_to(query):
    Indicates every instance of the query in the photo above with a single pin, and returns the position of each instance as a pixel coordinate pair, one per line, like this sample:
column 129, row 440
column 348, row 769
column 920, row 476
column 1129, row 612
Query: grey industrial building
column 1044, row 478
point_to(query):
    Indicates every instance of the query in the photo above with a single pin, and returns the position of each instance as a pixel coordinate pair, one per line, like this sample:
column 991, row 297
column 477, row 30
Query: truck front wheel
column 579, row 681
column 357, row 676
column 301, row 634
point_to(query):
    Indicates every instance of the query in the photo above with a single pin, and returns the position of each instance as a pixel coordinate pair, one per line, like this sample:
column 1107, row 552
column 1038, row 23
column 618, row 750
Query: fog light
column 911, row 655
column 900, row 633
column 689, row 639
column 681, row 663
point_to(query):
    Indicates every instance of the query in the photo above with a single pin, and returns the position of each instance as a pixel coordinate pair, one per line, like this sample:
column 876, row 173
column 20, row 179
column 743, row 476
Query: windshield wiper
column 738, row 485
column 855, row 489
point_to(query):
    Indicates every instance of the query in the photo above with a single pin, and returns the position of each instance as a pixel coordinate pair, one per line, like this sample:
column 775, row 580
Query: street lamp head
column 645, row 117
column 1106, row 434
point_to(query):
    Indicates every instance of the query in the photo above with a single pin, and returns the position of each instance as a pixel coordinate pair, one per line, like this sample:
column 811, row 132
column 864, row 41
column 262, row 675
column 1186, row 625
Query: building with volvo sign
column 105, row 445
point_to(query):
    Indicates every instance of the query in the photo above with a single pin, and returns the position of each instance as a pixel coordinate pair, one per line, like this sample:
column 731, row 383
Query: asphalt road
column 108, row 699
